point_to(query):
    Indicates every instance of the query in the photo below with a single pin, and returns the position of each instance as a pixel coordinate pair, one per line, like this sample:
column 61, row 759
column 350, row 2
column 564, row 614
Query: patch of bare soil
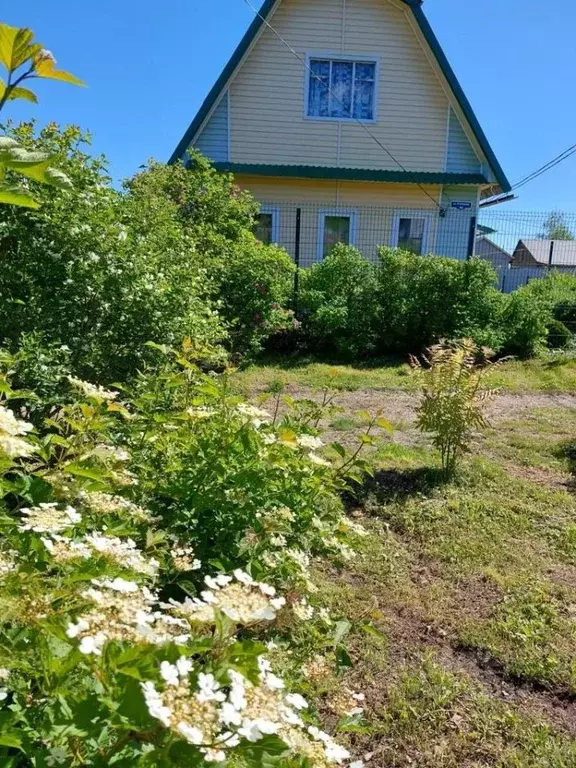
column 412, row 635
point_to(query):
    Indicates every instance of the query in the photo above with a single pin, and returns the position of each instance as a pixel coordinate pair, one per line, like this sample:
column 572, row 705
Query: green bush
column 134, row 631
column 339, row 303
column 559, row 336
column 526, row 316
column 427, row 298
column 104, row 272
column 251, row 283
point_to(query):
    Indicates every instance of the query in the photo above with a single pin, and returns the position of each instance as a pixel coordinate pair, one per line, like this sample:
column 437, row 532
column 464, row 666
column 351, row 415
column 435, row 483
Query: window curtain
column 364, row 86
column 342, row 77
column 319, row 91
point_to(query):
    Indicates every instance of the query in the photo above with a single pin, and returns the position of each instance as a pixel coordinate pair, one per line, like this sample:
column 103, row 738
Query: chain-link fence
column 520, row 246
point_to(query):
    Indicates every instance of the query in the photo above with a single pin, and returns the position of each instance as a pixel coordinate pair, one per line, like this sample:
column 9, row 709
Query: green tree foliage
column 451, row 407
column 99, row 271
column 556, row 228
column 252, row 282
column 24, row 59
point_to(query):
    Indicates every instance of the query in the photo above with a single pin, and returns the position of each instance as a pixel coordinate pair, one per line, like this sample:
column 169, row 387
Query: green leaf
column 265, row 753
column 15, row 46
column 58, row 178
column 340, row 450
column 22, row 93
column 385, row 424
column 10, row 739
column 341, row 631
column 10, row 196
column 45, row 67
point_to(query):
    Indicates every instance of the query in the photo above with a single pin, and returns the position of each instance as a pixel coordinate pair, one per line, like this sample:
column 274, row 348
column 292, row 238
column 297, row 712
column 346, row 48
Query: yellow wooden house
column 347, row 123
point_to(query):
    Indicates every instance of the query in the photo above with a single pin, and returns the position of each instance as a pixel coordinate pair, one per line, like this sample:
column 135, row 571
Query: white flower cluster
column 184, row 560
column 47, row 518
column 216, row 717
column 123, row 552
column 4, row 675
column 106, row 453
column 349, row 526
column 257, row 416
column 92, row 390
column 347, row 703
column 303, row 610
column 242, row 599
column 200, row 412
column 107, row 504
column 310, row 442
column 8, row 563
column 11, row 430
column 319, row 460
column 124, row 611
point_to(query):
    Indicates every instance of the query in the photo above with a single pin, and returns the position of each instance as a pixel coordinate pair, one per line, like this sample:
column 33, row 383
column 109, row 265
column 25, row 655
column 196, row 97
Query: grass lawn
column 542, row 374
column 468, row 587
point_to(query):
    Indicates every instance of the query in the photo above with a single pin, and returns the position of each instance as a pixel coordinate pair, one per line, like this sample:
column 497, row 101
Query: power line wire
column 545, row 168
column 331, row 92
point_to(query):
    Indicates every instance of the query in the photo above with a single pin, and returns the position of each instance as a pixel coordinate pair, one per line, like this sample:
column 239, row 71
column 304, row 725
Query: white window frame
column 368, row 58
column 275, row 211
column 350, row 213
column 427, row 244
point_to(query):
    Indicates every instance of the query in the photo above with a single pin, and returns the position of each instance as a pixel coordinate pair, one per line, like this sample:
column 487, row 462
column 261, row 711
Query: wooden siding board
column 267, row 92
column 374, row 205
column 461, row 157
column 212, row 141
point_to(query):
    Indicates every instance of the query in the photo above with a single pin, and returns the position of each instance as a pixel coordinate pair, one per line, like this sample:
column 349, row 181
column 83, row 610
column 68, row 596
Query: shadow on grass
column 397, row 484
column 567, row 451
column 294, row 361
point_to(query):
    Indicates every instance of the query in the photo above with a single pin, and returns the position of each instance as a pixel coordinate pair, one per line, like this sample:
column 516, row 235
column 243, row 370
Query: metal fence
column 520, row 246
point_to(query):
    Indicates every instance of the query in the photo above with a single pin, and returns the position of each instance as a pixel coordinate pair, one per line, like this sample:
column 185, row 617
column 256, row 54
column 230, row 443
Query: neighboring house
column 487, row 249
column 347, row 123
column 559, row 254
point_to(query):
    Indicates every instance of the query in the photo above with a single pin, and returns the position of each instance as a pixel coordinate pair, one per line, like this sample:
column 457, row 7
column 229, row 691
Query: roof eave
column 352, row 174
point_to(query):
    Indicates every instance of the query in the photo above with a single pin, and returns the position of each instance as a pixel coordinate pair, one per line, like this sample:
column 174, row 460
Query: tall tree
column 556, row 228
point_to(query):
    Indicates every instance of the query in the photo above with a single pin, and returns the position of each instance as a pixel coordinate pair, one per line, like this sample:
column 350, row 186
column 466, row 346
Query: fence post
column 550, row 258
column 471, row 238
column 297, row 259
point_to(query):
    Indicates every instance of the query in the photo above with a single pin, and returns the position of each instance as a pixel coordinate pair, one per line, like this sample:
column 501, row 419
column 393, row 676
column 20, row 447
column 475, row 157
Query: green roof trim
column 431, row 39
column 458, row 91
column 351, row 174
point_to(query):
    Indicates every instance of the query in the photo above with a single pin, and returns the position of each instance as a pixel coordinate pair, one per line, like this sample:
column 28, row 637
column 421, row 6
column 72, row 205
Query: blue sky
column 149, row 65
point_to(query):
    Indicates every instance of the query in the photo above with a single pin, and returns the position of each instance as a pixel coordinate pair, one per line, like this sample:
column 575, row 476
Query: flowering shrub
column 132, row 630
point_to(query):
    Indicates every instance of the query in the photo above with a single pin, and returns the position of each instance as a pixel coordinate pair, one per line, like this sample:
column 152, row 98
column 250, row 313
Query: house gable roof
column 428, row 33
column 538, row 253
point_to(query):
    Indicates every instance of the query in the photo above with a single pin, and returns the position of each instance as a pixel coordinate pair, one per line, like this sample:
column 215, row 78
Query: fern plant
column 452, row 404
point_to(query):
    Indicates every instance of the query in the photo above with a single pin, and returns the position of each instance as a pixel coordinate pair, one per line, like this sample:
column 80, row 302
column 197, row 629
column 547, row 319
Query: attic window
column 341, row 89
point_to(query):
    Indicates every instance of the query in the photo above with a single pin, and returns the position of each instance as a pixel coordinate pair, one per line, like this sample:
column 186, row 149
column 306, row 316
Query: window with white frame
column 341, row 89
column 411, row 232
column 335, row 227
column 266, row 226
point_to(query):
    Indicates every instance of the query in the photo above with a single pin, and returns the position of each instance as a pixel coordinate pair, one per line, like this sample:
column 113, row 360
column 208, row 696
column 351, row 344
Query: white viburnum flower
column 310, row 442
column 11, row 425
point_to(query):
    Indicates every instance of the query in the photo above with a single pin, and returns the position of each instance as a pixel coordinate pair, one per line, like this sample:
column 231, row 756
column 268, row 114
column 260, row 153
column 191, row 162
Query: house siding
column 454, row 228
column 372, row 204
column 460, row 156
column 213, row 139
column 268, row 124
